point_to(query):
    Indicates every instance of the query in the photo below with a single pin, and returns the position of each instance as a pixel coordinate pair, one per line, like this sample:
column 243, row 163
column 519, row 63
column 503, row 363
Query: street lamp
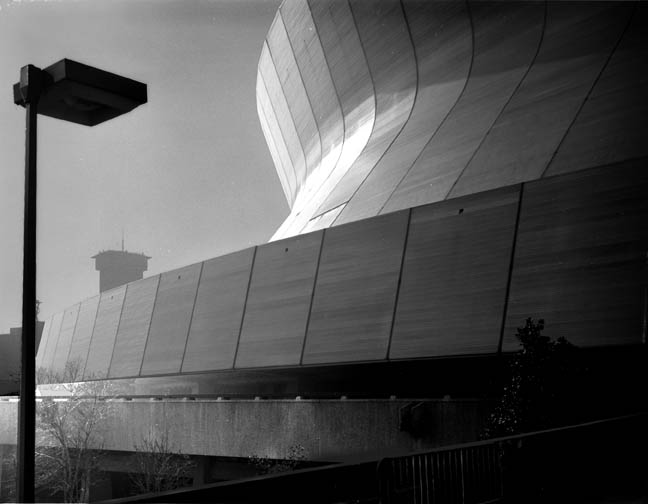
column 81, row 94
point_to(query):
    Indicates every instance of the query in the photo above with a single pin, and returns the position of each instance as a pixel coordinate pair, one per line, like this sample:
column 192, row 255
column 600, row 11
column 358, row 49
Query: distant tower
column 118, row 267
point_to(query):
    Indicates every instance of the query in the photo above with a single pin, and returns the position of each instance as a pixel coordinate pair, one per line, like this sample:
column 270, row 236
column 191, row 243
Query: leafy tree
column 159, row 466
column 541, row 390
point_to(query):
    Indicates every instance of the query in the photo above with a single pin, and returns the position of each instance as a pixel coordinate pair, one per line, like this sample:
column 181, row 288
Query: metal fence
column 569, row 464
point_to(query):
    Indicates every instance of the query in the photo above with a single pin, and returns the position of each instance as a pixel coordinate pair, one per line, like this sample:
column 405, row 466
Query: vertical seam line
column 148, row 332
column 586, row 99
column 193, row 310
column 509, row 279
column 121, row 313
column 409, row 115
column 247, row 295
column 400, row 281
column 510, row 98
column 310, row 306
column 94, row 323
column 76, row 321
column 373, row 125
column 448, row 114
column 281, row 133
column 308, row 98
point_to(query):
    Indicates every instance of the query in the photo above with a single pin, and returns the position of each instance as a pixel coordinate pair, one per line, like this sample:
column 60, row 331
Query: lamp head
column 78, row 93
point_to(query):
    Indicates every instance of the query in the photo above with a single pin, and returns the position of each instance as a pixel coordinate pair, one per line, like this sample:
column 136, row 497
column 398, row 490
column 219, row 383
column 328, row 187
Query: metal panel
column 580, row 260
column 292, row 86
column 441, row 33
column 103, row 336
column 338, row 34
column 391, row 60
column 45, row 340
column 281, row 112
column 83, row 333
column 506, row 39
column 452, row 293
column 326, row 106
column 218, row 312
column 355, row 292
column 133, row 328
column 613, row 124
column 278, row 303
column 276, row 145
column 171, row 318
column 65, row 339
column 55, row 331
column 577, row 41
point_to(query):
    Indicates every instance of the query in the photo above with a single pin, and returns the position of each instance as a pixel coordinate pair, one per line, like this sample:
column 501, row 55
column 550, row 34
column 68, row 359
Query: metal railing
column 566, row 464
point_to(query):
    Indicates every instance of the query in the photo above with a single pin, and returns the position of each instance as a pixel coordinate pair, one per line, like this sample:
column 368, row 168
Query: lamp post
column 81, row 94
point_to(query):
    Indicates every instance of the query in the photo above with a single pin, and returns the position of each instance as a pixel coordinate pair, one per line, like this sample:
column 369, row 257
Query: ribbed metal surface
column 449, row 98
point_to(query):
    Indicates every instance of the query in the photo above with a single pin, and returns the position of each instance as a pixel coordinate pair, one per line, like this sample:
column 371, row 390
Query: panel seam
column 245, row 302
column 290, row 111
column 510, row 98
column 509, row 279
column 94, row 323
column 121, row 313
column 400, row 281
column 76, row 321
column 373, row 124
column 409, row 115
column 301, row 78
column 193, row 310
column 587, row 97
column 448, row 114
column 148, row 332
column 310, row 306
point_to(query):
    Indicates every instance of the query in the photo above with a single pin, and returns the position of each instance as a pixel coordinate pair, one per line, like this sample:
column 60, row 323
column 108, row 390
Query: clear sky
column 187, row 176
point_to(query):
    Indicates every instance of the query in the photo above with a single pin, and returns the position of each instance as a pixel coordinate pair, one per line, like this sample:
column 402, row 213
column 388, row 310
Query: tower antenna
column 122, row 239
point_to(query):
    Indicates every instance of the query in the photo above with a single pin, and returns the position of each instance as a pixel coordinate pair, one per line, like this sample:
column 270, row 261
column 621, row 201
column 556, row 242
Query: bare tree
column 69, row 434
column 159, row 466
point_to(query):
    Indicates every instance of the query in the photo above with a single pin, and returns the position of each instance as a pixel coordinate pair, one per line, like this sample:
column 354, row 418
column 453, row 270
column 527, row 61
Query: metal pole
column 30, row 88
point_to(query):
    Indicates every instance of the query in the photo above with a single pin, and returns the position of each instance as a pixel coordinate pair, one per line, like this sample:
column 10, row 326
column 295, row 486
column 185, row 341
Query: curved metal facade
column 372, row 107
column 487, row 160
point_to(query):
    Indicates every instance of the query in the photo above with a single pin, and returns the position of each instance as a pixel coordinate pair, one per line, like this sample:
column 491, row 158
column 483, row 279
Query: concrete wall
column 449, row 278
column 329, row 430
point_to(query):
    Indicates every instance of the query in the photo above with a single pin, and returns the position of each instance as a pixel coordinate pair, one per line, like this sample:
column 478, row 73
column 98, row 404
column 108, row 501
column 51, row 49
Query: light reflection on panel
column 355, row 292
column 103, row 336
column 347, row 63
column 278, row 302
column 580, row 259
column 613, row 123
column 391, row 60
column 83, row 333
column 276, row 146
column 322, row 95
column 133, row 328
column 171, row 317
column 45, row 340
column 507, row 36
column 442, row 37
column 65, row 339
column 216, row 321
column 282, row 114
column 292, row 86
column 452, row 293
column 577, row 42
